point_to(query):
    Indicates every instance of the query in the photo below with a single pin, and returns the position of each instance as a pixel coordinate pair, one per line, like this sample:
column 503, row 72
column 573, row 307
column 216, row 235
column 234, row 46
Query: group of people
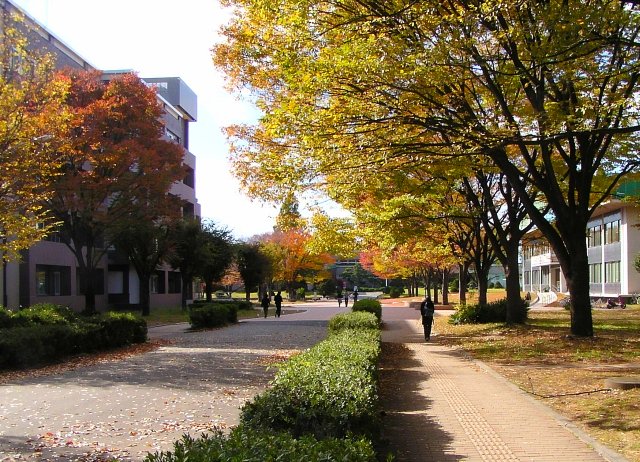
column 427, row 308
column 266, row 301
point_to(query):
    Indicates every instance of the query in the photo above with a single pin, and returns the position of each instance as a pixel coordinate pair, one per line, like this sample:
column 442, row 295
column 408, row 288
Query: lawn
column 159, row 316
column 567, row 373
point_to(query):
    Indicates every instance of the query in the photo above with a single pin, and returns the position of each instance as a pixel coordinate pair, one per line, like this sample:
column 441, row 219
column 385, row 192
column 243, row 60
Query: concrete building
column 613, row 241
column 48, row 270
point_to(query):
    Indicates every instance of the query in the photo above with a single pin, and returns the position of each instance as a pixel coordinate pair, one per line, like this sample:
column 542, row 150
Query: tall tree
column 546, row 91
column 32, row 119
column 253, row 266
column 146, row 243
column 216, row 255
column 188, row 253
column 114, row 165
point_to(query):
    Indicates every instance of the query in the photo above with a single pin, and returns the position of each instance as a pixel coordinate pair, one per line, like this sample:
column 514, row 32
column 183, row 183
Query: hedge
column 328, row 391
column 46, row 333
column 491, row 312
column 249, row 445
column 322, row 406
column 353, row 320
column 369, row 305
column 213, row 315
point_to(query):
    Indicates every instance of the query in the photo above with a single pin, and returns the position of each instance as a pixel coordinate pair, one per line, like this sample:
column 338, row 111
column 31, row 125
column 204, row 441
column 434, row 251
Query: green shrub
column 245, row 444
column 45, row 313
column 36, row 344
column 213, row 315
column 491, row 312
column 329, row 391
column 119, row 329
column 6, row 318
column 395, row 292
column 244, row 305
column 368, row 305
column 353, row 320
column 45, row 338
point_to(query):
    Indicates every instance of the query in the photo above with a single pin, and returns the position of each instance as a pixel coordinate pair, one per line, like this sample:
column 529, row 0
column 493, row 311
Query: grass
column 567, row 373
column 173, row 315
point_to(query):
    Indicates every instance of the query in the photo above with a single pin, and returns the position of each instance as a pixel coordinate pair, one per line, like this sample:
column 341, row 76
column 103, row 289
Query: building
column 613, row 241
column 48, row 270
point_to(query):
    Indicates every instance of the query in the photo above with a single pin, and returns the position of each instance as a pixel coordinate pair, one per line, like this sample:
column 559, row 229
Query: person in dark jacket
column 278, row 301
column 265, row 302
column 427, row 309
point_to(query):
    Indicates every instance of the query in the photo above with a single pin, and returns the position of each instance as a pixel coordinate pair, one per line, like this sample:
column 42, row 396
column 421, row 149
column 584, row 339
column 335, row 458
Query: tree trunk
column 512, row 274
column 208, row 290
column 462, row 284
column 145, row 297
column 247, row 294
column 183, row 292
column 445, row 287
column 576, row 274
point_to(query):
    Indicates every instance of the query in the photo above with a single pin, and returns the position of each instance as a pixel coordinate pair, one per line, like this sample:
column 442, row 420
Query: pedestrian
column 265, row 304
column 355, row 296
column 346, row 299
column 339, row 299
column 426, row 311
column 278, row 301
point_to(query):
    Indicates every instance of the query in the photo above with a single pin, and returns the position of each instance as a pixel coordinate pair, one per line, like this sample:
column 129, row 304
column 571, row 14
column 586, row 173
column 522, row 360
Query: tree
column 216, row 255
column 547, row 92
column 32, row 118
column 253, row 266
column 114, row 165
column 146, row 244
column 187, row 256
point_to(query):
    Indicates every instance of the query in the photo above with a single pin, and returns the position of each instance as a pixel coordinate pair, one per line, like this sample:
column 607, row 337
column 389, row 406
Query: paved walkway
column 441, row 406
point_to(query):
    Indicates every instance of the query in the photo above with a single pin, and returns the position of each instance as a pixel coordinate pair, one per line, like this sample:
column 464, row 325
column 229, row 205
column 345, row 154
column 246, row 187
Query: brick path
column 441, row 406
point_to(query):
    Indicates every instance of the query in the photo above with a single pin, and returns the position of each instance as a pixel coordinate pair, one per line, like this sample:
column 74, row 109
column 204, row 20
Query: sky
column 166, row 38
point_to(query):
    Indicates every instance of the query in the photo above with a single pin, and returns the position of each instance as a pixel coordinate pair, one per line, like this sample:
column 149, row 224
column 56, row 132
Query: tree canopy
column 546, row 92
column 32, row 116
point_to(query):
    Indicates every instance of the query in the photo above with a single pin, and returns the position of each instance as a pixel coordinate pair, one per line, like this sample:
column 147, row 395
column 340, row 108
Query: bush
column 119, row 329
column 498, row 285
column 244, row 305
column 492, row 312
column 213, row 315
column 245, row 444
column 329, row 391
column 36, row 344
column 395, row 292
column 45, row 313
column 353, row 320
column 6, row 318
column 368, row 305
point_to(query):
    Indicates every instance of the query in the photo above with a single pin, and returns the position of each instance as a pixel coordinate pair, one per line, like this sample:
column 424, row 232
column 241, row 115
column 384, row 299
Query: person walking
column 355, row 296
column 265, row 304
column 427, row 310
column 278, row 301
column 346, row 299
column 339, row 299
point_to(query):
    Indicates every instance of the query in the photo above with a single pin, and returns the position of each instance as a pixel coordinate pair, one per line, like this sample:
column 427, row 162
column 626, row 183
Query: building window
column 53, row 280
column 157, row 283
column 612, row 271
column 174, row 282
column 153, row 284
column 595, row 273
column 172, row 136
column 612, row 232
column 98, row 282
column 594, row 238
